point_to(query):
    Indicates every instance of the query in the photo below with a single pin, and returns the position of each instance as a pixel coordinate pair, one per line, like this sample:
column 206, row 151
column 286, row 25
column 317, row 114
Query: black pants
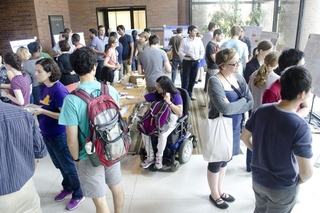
column 107, row 75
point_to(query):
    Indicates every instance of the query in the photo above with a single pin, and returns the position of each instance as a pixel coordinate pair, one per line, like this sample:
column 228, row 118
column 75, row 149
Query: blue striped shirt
column 20, row 143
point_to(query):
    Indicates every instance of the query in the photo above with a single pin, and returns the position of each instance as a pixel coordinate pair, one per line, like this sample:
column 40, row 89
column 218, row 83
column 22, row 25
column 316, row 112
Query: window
column 129, row 17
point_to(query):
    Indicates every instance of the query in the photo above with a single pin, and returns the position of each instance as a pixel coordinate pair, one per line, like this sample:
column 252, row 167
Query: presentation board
column 170, row 31
column 270, row 36
column 312, row 52
column 81, row 34
column 20, row 43
column 253, row 33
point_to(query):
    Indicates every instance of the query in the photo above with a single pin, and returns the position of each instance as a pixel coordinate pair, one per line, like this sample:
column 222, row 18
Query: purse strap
column 233, row 87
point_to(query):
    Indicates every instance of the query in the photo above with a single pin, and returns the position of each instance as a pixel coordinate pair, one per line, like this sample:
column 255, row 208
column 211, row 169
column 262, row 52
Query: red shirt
column 272, row 94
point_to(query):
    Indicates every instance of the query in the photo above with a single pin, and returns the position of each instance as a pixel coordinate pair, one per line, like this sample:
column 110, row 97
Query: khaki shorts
column 93, row 179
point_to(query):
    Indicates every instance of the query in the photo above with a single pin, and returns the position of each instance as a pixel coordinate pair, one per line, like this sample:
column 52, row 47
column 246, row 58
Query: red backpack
column 109, row 133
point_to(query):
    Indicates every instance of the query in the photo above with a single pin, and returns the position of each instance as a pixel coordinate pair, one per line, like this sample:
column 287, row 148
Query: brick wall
column 183, row 12
column 21, row 19
column 43, row 9
column 17, row 21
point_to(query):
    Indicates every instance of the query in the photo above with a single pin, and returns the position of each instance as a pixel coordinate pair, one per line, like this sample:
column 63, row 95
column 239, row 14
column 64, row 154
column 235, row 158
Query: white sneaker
column 147, row 162
column 158, row 164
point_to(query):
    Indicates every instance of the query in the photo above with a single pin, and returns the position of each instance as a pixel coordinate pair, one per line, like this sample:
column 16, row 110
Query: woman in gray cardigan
column 230, row 95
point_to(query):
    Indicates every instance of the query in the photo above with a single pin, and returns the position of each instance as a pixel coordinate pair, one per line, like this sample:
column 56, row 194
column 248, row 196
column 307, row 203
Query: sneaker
column 147, row 162
column 63, row 194
column 193, row 98
column 158, row 164
column 74, row 203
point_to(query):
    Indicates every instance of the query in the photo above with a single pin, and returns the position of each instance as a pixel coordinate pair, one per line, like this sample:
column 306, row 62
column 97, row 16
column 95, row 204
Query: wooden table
column 136, row 92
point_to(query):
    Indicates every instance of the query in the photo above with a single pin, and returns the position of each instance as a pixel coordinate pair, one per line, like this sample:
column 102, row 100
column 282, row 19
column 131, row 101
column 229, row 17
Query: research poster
column 170, row 31
column 20, row 43
column 270, row 36
column 81, row 34
column 253, row 33
column 312, row 52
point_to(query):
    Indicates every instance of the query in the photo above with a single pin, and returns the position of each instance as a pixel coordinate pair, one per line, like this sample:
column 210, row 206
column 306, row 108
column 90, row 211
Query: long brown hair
column 270, row 61
column 263, row 45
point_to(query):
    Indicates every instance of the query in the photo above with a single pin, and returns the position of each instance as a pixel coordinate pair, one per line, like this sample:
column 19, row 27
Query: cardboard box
column 133, row 78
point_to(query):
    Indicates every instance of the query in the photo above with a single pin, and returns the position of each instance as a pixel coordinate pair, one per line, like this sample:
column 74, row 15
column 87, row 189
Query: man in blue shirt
column 98, row 44
column 21, row 146
column 281, row 145
column 127, row 53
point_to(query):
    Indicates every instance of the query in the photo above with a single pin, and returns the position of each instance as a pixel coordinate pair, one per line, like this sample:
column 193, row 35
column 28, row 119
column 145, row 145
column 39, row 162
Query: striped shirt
column 20, row 143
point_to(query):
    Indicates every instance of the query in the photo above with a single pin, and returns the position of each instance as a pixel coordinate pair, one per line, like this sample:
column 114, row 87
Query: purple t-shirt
column 21, row 82
column 154, row 96
column 51, row 98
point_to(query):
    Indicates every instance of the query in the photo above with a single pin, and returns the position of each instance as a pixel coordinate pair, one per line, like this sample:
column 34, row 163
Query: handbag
column 216, row 137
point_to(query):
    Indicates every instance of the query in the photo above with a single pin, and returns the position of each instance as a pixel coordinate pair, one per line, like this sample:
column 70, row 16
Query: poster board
column 81, row 34
column 273, row 37
column 170, row 31
column 253, row 33
column 312, row 52
column 20, row 43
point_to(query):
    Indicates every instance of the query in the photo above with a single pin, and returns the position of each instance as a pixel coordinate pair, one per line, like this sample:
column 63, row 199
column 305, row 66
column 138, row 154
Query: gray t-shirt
column 99, row 45
column 30, row 67
column 152, row 61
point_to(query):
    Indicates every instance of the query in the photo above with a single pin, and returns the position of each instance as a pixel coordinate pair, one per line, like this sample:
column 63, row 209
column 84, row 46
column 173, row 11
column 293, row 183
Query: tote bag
column 216, row 138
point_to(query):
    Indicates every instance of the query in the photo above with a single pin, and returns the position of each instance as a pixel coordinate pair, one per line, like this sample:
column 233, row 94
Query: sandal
column 222, row 205
column 230, row 198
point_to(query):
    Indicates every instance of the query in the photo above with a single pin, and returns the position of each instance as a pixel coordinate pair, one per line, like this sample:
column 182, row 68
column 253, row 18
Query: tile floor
column 183, row 191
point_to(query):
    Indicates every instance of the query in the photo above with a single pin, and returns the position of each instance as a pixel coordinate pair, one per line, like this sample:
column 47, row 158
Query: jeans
column 134, row 64
column 62, row 160
column 36, row 94
column 99, row 69
column 274, row 201
column 175, row 63
column 190, row 71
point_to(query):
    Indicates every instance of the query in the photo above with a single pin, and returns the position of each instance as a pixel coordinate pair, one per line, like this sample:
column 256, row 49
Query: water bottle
column 93, row 157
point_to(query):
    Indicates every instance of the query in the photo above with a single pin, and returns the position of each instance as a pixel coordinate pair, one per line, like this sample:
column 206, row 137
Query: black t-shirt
column 211, row 48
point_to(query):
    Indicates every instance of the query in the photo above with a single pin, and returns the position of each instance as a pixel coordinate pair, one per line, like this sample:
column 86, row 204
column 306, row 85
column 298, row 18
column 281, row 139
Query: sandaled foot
column 227, row 197
column 219, row 203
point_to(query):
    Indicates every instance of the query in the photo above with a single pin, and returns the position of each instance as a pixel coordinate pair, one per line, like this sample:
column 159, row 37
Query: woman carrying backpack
column 165, row 90
column 54, row 135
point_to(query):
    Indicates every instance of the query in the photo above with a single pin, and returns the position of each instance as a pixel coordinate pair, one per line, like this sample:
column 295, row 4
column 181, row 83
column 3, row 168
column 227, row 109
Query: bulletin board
column 56, row 24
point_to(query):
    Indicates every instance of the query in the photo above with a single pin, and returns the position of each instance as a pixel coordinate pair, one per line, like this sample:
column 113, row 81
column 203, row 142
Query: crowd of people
column 263, row 82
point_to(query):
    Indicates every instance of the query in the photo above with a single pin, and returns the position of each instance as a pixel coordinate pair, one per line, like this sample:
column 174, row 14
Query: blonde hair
column 270, row 61
column 224, row 56
column 23, row 53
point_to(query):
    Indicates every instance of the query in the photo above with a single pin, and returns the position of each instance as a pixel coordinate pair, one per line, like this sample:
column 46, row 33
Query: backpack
column 109, row 133
column 154, row 119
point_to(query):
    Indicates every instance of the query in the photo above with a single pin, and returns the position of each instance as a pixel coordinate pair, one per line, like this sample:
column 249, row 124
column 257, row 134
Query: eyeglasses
column 235, row 64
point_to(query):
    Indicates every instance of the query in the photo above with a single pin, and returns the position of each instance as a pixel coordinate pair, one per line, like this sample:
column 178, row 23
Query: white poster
column 270, row 36
column 81, row 34
column 170, row 31
column 312, row 52
column 20, row 43
column 253, row 33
